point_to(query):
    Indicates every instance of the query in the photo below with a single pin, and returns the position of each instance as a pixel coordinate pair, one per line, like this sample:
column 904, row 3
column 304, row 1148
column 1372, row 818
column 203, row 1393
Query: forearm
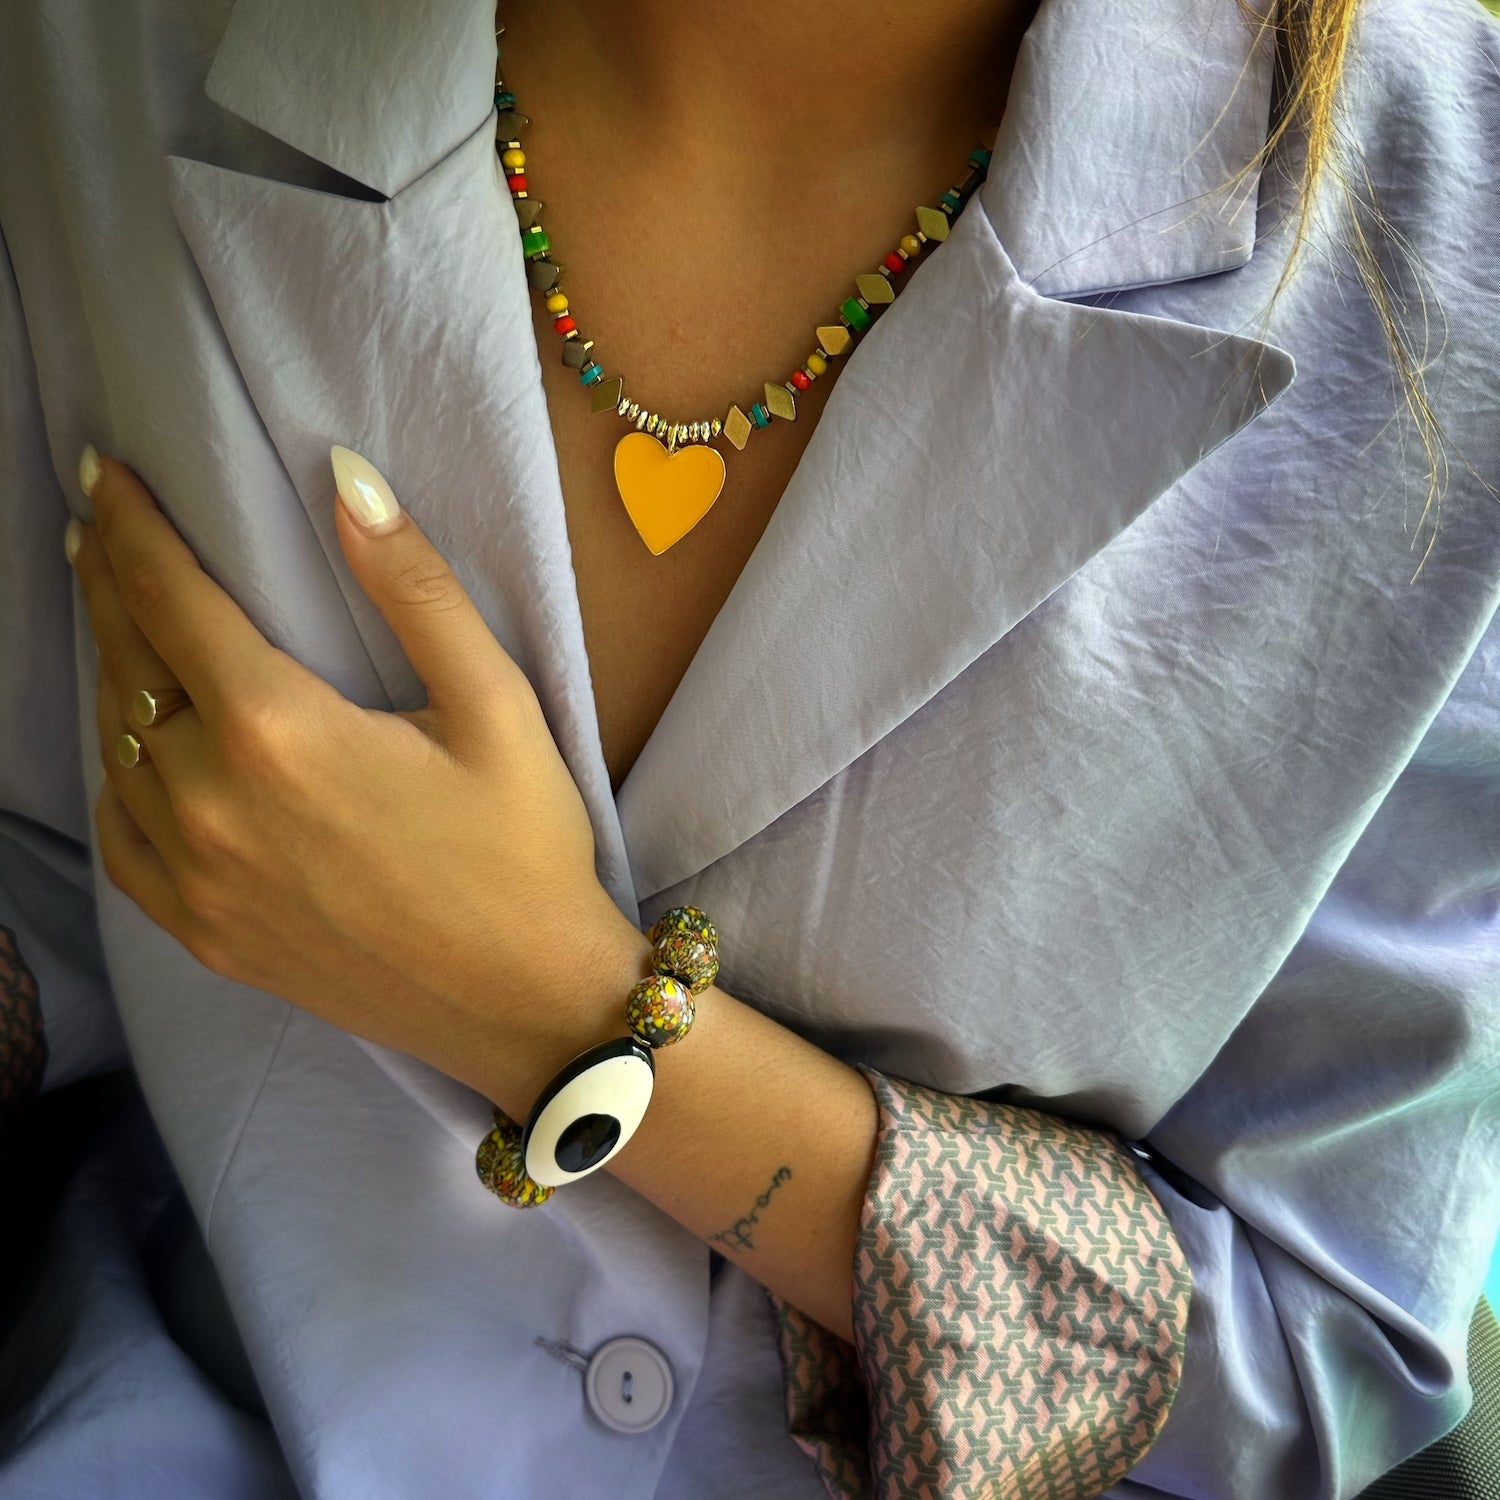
column 756, row 1140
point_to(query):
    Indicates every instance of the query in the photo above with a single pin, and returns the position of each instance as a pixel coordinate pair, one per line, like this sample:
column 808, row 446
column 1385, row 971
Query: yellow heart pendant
column 666, row 494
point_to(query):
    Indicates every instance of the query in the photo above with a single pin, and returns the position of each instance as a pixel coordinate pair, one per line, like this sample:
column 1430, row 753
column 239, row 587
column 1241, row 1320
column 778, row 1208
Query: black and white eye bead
column 588, row 1112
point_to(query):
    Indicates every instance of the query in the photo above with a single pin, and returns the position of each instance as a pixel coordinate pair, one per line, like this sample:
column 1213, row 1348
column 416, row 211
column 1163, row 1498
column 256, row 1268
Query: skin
column 406, row 876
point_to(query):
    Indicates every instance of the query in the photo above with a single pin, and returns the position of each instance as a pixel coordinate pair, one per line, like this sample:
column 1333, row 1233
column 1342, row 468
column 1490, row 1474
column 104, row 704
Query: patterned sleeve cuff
column 1020, row 1310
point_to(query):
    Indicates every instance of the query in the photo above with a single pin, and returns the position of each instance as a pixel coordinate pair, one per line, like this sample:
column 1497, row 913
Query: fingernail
column 363, row 489
column 73, row 538
column 88, row 469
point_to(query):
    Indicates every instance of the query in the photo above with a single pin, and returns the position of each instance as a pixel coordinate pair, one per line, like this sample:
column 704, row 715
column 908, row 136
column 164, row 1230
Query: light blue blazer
column 1077, row 734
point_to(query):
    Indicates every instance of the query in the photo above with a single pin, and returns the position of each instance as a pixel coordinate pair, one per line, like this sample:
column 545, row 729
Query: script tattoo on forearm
column 737, row 1236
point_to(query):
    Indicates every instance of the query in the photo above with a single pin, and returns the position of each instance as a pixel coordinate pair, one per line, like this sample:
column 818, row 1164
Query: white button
column 629, row 1384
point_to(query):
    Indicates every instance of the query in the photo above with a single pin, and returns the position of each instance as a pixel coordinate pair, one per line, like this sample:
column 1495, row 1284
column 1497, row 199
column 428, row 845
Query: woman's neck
column 757, row 88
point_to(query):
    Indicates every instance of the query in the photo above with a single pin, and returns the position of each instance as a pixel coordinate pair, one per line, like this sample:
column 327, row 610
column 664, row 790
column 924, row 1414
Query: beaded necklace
column 667, row 474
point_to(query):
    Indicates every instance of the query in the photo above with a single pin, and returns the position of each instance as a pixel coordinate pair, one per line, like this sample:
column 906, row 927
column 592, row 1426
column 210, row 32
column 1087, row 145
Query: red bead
column 564, row 324
column 517, row 183
column 800, row 380
column 894, row 262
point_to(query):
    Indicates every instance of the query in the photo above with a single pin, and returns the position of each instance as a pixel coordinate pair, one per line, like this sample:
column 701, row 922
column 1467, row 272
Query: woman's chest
column 644, row 617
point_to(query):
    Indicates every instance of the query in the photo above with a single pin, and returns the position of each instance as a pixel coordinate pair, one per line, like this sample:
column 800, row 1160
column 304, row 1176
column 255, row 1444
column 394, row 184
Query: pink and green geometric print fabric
column 1020, row 1312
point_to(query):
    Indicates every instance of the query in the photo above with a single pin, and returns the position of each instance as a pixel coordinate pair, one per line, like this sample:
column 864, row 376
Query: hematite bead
column 543, row 274
column 576, row 353
column 659, row 1010
column 607, row 394
column 527, row 212
column 509, row 124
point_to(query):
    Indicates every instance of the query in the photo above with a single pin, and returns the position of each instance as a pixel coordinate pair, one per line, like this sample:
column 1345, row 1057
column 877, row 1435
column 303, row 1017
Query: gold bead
column 873, row 287
column 640, row 420
column 635, row 410
column 557, row 303
column 737, row 427
column 834, row 338
column 715, row 428
column 653, row 424
column 932, row 224
column 816, row 365
column 780, row 402
column 911, row 245
column 514, row 159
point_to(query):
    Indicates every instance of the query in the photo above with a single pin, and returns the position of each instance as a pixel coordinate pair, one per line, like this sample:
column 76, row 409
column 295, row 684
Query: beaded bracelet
column 593, row 1104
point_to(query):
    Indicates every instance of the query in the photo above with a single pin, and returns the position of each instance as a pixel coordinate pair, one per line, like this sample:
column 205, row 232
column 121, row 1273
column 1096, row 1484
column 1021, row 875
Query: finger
column 134, row 865
column 137, row 782
column 128, row 662
column 205, row 638
column 444, row 636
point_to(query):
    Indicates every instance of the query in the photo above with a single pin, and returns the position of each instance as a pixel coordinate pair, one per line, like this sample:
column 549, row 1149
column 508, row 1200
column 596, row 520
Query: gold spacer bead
column 639, row 419
column 715, row 428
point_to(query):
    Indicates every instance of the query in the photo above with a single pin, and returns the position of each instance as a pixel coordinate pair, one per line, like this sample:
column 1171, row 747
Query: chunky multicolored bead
column 687, row 957
column 659, row 1010
column 502, row 1168
column 685, row 919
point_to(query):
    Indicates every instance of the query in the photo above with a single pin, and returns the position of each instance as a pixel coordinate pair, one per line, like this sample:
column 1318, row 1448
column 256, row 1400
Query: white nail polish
column 72, row 538
column 363, row 489
column 88, row 469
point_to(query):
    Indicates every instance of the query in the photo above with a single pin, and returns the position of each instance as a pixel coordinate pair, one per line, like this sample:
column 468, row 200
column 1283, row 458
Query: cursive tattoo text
column 737, row 1236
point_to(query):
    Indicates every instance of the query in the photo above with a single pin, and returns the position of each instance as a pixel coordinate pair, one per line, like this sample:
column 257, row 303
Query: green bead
column 854, row 314
column 534, row 241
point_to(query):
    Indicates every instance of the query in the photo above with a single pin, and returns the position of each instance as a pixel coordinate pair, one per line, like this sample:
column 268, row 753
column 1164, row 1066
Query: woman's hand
column 423, row 879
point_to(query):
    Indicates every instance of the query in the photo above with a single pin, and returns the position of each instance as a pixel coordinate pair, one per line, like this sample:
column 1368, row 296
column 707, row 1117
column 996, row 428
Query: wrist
column 580, row 1003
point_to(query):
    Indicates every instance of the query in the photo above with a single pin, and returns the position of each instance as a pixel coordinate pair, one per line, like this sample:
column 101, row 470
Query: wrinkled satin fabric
column 1076, row 735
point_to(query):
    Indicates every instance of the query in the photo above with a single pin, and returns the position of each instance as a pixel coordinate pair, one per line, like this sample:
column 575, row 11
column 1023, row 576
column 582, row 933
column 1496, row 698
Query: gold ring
column 129, row 750
column 152, row 705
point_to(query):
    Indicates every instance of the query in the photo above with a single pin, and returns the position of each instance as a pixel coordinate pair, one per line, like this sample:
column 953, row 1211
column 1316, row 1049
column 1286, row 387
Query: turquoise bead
column 951, row 201
column 590, row 373
column 979, row 157
column 504, row 99
column 760, row 416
